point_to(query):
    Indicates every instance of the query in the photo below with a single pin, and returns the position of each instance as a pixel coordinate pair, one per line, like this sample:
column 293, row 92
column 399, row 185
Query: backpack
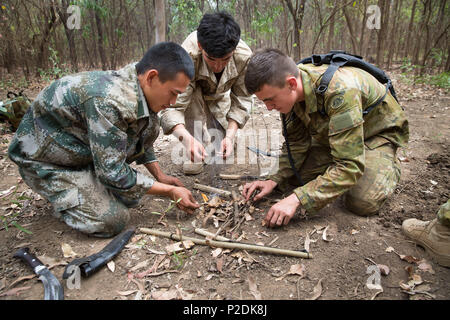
column 14, row 108
column 337, row 59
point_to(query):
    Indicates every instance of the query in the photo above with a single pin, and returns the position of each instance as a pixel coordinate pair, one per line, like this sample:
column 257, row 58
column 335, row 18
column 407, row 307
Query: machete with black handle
column 91, row 264
column 52, row 288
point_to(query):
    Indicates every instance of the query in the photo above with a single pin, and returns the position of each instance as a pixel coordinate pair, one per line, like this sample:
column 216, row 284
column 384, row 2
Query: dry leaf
column 409, row 259
column 140, row 265
column 215, row 202
column 390, row 249
column 296, row 269
column 253, row 287
column 111, row 266
column 216, row 252
column 317, row 291
column 324, row 235
column 67, row 251
column 384, row 270
column 126, row 293
column 178, row 246
column 425, row 266
column 248, row 217
column 219, row 264
column 354, row 232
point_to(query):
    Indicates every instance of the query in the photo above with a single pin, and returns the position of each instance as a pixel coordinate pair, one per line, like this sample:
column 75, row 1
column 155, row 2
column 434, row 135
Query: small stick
column 221, row 192
column 229, row 245
column 237, row 177
column 210, row 234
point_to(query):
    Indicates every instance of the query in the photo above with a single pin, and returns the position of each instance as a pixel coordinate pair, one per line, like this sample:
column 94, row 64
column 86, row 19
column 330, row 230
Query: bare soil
column 342, row 265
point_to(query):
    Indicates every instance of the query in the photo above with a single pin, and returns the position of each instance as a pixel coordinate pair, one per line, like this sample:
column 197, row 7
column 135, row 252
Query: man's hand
column 226, row 147
column 227, row 144
column 282, row 212
column 187, row 203
column 265, row 187
column 195, row 150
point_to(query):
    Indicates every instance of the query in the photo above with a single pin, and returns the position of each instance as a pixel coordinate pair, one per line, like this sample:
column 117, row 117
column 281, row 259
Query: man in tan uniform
column 337, row 151
column 216, row 102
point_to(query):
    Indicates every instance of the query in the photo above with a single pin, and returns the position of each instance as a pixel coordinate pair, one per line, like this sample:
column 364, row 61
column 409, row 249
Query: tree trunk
column 297, row 16
column 101, row 48
column 410, row 30
column 393, row 36
column 63, row 15
column 160, row 13
column 330, row 42
column 350, row 23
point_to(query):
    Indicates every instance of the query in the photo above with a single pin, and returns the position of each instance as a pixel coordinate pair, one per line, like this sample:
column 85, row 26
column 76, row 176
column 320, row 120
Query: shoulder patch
column 337, row 102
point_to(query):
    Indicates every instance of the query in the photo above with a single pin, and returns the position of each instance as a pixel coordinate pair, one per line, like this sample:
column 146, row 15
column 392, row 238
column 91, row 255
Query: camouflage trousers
column 80, row 199
column 443, row 214
column 381, row 175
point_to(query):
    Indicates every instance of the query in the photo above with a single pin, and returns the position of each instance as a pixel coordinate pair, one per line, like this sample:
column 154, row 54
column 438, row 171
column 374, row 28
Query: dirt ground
column 342, row 268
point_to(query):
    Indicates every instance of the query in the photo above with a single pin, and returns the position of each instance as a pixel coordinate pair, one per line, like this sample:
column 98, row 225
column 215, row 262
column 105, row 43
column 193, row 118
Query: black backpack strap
column 291, row 160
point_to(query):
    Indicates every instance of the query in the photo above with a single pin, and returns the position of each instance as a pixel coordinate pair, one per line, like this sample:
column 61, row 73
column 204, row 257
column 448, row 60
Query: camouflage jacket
column 99, row 119
column 343, row 130
column 217, row 96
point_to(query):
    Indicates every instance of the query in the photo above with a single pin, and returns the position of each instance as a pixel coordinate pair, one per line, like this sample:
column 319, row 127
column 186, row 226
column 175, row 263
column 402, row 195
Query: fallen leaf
column 354, row 232
column 403, row 159
column 409, row 259
column 111, row 266
column 425, row 266
column 178, row 246
column 324, row 235
column 384, row 270
column 248, row 217
column 253, row 287
column 126, row 293
column 216, row 252
column 67, row 251
column 296, row 269
column 390, row 249
column 219, row 264
column 317, row 291
column 140, row 265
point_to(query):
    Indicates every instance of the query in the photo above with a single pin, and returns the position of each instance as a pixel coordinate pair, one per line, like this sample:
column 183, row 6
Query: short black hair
column 218, row 34
column 268, row 66
column 168, row 58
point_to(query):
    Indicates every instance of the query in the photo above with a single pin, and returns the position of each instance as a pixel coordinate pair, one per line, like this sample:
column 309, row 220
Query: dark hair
column 268, row 66
column 218, row 34
column 168, row 58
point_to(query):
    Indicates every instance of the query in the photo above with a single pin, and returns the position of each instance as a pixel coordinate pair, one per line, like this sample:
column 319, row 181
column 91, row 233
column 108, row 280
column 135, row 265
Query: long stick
column 229, row 245
column 221, row 192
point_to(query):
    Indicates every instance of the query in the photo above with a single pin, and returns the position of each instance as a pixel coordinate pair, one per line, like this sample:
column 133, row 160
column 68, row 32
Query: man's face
column 161, row 95
column 217, row 64
column 275, row 98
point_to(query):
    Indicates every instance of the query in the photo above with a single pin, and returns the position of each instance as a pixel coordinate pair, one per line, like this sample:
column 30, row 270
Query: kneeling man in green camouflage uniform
column 75, row 144
column 338, row 151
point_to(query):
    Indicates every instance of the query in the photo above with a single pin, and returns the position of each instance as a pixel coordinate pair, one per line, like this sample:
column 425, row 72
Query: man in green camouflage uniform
column 75, row 144
column 433, row 235
column 339, row 153
column 216, row 103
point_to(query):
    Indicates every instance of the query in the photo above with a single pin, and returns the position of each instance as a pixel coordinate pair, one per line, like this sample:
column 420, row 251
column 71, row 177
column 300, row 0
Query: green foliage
column 263, row 22
column 55, row 71
column 185, row 17
column 441, row 80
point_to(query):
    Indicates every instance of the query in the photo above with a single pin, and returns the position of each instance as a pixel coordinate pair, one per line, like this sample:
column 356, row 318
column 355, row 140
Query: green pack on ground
column 14, row 108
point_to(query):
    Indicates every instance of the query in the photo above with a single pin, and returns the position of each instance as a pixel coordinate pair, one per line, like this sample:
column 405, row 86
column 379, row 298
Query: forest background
column 50, row 38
